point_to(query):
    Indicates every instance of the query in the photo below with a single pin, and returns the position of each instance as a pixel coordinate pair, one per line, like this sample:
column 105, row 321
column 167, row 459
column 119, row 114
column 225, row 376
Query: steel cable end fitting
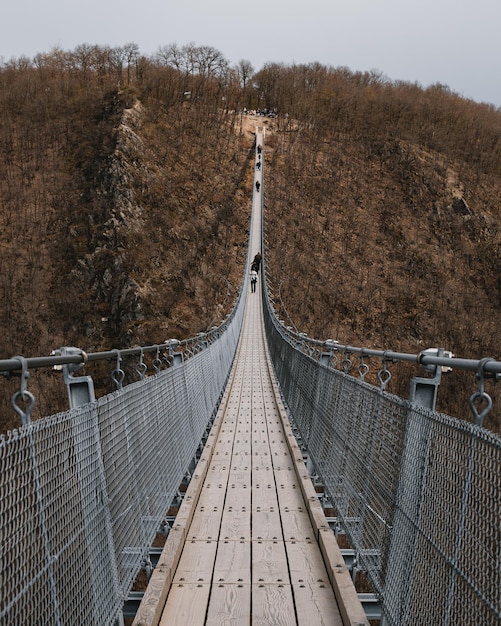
column 480, row 397
column 384, row 374
column 118, row 375
column 23, row 395
column 363, row 368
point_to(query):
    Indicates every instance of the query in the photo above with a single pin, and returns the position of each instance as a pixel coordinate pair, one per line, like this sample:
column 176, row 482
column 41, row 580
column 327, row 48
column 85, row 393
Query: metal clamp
column 480, row 397
column 24, row 395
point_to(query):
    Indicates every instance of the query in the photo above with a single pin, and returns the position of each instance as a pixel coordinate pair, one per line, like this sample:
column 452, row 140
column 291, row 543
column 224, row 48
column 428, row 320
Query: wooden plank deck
column 250, row 544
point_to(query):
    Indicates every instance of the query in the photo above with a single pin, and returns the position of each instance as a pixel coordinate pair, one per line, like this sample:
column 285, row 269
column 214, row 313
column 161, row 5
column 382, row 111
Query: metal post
column 330, row 345
column 80, row 388
column 424, row 390
column 175, row 357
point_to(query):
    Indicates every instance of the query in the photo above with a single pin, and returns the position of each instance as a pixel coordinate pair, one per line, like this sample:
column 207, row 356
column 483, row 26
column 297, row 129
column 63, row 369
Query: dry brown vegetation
column 124, row 211
column 383, row 215
column 125, row 198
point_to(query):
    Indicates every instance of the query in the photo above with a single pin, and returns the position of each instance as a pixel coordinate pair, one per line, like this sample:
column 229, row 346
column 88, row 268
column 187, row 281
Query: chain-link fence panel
column 83, row 493
column 57, row 562
column 417, row 492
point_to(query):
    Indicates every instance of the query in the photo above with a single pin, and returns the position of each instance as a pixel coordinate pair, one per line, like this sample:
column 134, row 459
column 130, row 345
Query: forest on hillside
column 125, row 200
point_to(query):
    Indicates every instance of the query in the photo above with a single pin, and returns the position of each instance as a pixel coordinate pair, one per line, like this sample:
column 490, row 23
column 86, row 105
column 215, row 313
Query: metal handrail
column 423, row 358
column 80, row 357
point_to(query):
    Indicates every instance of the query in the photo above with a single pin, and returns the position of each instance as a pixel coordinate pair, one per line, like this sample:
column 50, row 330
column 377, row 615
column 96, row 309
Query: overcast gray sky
column 456, row 43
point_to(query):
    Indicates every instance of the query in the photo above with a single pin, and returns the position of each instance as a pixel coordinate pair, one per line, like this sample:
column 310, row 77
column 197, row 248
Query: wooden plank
column 239, row 476
column 273, row 605
column 224, row 447
column 269, row 562
column 213, row 494
column 262, row 450
column 263, row 474
column 285, row 473
column 152, row 604
column 349, row 605
column 233, row 562
column 241, row 444
column 296, row 525
column 287, row 480
column 242, row 438
column 280, row 456
column 266, row 524
column 229, row 604
column 316, row 605
column 264, row 496
column 278, row 445
column 241, row 459
column 196, row 563
column 173, row 548
column 239, row 480
column 236, row 523
column 290, row 500
column 218, row 471
column 186, row 604
column 306, row 565
column 205, row 525
column 223, row 453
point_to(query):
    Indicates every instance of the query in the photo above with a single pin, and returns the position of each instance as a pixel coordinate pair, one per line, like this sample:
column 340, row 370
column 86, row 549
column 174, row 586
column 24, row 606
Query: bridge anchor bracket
column 80, row 388
column 424, row 390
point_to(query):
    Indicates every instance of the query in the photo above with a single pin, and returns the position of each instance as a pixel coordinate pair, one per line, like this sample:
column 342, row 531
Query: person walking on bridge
column 253, row 278
column 258, row 184
column 256, row 263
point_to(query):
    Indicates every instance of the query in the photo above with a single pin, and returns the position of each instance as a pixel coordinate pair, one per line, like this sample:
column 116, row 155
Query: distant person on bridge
column 259, row 149
column 257, row 185
column 253, row 278
column 258, row 165
column 256, row 263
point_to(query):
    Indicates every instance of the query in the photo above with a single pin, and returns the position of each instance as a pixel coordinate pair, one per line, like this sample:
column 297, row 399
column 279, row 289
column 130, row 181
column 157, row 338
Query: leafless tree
column 245, row 71
column 131, row 56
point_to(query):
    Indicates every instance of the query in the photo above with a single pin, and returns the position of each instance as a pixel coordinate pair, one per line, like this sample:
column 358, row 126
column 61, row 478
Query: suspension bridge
column 279, row 454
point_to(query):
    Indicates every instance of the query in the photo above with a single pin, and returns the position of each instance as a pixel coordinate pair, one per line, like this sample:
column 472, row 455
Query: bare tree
column 173, row 56
column 245, row 71
column 210, row 62
column 131, row 56
column 204, row 61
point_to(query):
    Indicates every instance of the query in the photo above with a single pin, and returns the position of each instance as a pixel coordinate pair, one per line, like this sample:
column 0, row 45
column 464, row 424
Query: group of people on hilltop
column 261, row 112
column 256, row 264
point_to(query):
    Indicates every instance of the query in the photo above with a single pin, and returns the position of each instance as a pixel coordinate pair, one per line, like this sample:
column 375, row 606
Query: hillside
column 126, row 194
column 387, row 233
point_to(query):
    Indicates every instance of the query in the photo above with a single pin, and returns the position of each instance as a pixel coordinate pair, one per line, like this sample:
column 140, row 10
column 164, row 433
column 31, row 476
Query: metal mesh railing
column 418, row 492
column 83, row 493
